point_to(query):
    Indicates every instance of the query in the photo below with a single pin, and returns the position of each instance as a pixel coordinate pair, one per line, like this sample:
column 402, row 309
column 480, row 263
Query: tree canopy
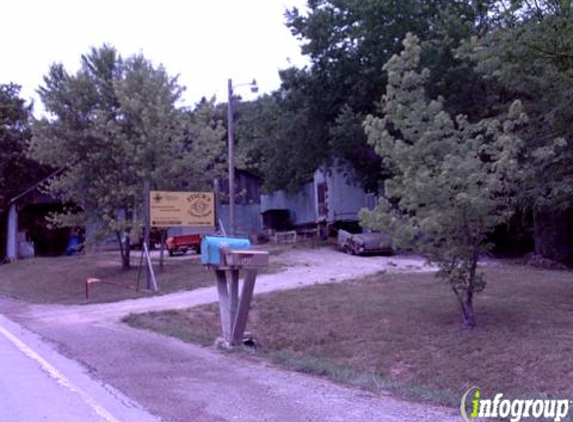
column 318, row 110
column 452, row 181
column 113, row 125
column 482, row 56
column 530, row 58
column 17, row 172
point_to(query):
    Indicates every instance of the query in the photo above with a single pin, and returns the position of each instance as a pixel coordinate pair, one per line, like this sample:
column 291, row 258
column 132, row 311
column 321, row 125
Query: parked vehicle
column 182, row 243
column 365, row 243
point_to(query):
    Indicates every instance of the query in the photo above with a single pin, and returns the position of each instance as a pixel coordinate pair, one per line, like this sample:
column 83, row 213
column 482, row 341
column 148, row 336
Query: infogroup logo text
column 473, row 406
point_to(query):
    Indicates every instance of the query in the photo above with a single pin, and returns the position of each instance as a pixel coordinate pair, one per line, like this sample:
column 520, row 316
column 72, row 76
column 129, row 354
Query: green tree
column 319, row 109
column 529, row 56
column 112, row 126
column 17, row 172
column 203, row 155
column 453, row 181
column 276, row 140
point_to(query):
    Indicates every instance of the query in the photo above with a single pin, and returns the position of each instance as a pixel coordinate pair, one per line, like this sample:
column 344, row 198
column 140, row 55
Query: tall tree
column 17, row 172
column 348, row 42
column 203, row 155
column 276, row 140
column 529, row 56
column 453, row 181
column 114, row 125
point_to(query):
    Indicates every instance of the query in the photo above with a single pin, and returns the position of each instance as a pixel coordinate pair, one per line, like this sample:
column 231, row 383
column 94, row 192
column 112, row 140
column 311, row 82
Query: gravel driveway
column 302, row 267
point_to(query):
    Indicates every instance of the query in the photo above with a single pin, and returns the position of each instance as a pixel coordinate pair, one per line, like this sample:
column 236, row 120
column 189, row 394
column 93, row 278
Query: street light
column 254, row 88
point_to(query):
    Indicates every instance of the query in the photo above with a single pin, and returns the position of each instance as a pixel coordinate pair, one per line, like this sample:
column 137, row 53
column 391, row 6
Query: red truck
column 182, row 243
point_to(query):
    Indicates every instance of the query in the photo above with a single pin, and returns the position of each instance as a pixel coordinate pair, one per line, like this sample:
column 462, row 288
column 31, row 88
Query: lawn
column 62, row 279
column 402, row 332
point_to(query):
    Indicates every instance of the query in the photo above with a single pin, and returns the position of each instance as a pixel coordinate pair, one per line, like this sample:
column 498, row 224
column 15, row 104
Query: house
column 330, row 197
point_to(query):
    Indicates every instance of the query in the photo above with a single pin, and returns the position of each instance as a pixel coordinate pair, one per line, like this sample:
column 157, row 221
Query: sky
column 205, row 42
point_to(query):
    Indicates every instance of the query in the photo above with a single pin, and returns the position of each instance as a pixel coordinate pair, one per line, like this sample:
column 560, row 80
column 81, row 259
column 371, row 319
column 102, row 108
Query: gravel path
column 303, row 267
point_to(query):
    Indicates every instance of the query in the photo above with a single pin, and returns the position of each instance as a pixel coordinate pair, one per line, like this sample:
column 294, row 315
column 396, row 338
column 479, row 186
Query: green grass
column 165, row 320
column 402, row 332
column 62, row 279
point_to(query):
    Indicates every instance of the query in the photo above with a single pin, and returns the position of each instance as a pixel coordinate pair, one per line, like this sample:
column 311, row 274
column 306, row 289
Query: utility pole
column 231, row 138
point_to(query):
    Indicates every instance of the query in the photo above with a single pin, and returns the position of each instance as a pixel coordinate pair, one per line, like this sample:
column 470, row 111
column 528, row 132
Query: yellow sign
column 170, row 209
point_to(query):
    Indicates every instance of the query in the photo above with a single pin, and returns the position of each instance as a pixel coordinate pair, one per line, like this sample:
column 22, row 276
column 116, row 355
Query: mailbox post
column 228, row 257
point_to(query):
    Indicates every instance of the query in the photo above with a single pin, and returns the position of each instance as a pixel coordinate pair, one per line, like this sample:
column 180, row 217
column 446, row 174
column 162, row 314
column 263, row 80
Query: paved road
column 38, row 384
column 186, row 383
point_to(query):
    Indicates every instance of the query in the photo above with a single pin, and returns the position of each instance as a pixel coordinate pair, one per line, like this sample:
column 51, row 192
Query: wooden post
column 234, row 308
column 224, row 305
column 162, row 248
column 234, row 295
column 242, row 314
column 150, row 273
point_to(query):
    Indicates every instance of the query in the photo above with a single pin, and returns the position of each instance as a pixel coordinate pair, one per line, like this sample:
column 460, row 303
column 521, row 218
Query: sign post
column 174, row 209
column 147, row 228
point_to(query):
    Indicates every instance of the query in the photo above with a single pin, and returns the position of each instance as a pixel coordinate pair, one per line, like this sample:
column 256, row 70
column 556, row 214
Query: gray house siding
column 248, row 220
column 344, row 199
column 329, row 196
column 301, row 204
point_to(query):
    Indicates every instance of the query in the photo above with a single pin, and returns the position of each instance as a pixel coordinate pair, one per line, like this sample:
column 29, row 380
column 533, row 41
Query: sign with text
column 176, row 209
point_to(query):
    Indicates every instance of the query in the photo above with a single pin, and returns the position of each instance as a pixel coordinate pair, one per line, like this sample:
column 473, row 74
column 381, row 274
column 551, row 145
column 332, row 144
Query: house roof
column 35, row 186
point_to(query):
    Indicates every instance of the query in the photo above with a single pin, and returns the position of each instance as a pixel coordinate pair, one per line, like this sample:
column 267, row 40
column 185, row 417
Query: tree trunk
column 466, row 300
column 469, row 319
column 162, row 250
column 124, row 250
column 468, row 315
column 127, row 253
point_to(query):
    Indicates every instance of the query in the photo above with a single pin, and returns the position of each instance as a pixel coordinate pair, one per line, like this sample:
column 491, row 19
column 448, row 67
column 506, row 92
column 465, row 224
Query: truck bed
column 182, row 243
